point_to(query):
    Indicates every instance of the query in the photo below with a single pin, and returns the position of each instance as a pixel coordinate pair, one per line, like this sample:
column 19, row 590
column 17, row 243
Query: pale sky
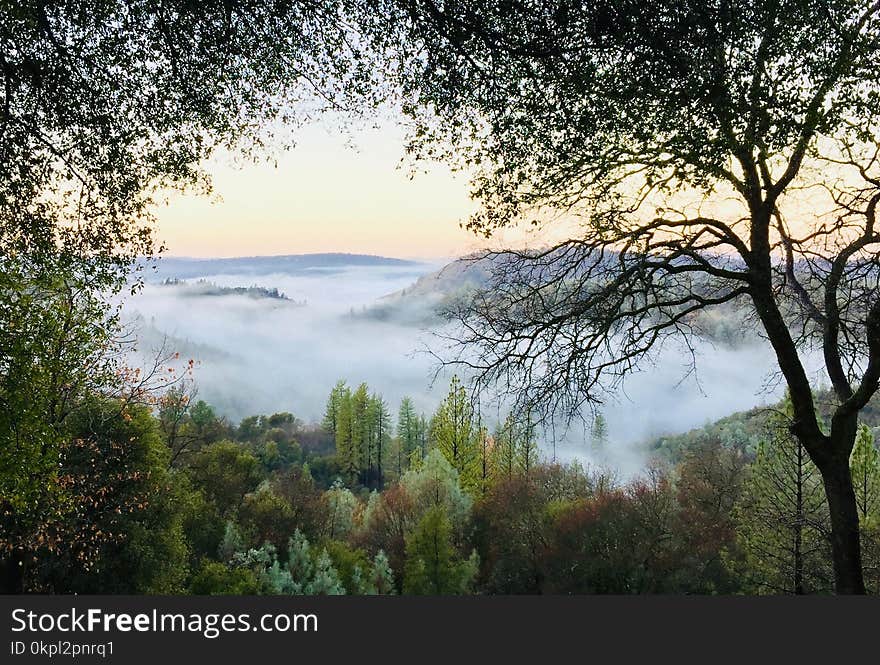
column 324, row 195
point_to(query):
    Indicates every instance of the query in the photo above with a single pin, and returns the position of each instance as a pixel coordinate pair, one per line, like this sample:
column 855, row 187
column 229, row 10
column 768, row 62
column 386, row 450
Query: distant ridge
column 187, row 268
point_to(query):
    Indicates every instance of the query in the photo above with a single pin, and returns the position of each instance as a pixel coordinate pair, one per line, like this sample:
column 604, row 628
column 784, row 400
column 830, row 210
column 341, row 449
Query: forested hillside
column 168, row 497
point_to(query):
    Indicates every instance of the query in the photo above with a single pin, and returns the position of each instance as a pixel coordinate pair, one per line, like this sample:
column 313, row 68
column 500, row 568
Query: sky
column 331, row 192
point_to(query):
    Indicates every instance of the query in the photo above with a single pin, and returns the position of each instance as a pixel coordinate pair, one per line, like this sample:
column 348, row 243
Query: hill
column 188, row 268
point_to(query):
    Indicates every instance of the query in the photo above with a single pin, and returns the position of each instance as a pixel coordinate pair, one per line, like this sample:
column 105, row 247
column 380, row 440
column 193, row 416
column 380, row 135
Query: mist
column 262, row 355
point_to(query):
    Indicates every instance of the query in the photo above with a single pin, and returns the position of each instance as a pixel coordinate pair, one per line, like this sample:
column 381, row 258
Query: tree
column 683, row 141
column 361, row 432
column 433, row 567
column 332, row 411
column 117, row 525
column 214, row 578
column 381, row 433
column 709, row 484
column 599, row 433
column 225, row 472
column 347, row 450
column 505, row 448
column 341, row 505
column 527, row 450
column 454, row 433
column 407, row 433
column 866, row 480
column 783, row 515
column 326, row 580
column 381, row 579
column 866, row 475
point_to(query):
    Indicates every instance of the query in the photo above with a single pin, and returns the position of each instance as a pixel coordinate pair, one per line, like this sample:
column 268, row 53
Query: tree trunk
column 845, row 545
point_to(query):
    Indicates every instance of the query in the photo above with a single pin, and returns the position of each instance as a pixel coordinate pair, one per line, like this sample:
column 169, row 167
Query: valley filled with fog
column 332, row 320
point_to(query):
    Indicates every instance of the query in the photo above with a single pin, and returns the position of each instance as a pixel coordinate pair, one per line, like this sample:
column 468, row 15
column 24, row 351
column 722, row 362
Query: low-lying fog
column 261, row 355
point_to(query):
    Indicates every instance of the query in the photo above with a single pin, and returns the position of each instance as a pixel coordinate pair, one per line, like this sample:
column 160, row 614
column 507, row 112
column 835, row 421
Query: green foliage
column 266, row 517
column 435, row 483
column 341, row 505
column 599, row 433
column 865, row 465
column 225, row 472
column 433, row 567
column 783, row 516
column 215, row 579
column 455, row 433
column 349, row 562
column 303, row 574
column 120, row 524
column 381, row 577
column 326, row 580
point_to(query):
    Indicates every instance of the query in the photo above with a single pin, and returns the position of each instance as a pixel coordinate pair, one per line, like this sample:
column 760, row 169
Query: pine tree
column 361, row 435
column 407, row 433
column 325, row 581
column 381, row 580
column 341, row 504
column 331, row 414
column 381, row 431
column 783, row 516
column 423, row 431
column 232, row 542
column 865, row 465
column 454, row 433
column 599, row 433
column 505, row 449
column 527, row 450
column 433, row 567
column 486, row 467
column 299, row 561
column 346, row 447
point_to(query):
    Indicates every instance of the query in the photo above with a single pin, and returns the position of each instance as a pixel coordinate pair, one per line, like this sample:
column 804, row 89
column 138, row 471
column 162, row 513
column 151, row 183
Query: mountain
column 745, row 429
column 422, row 302
column 188, row 268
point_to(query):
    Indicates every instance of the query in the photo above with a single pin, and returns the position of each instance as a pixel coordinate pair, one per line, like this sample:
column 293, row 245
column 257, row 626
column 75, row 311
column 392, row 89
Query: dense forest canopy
column 179, row 500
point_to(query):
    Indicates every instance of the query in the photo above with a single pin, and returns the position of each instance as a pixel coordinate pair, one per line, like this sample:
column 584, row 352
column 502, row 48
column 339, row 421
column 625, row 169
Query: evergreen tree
column 454, row 433
column 346, row 447
column 783, row 516
column 361, row 434
column 232, row 542
column 423, row 435
column 331, row 414
column 381, row 430
column 433, row 567
column 407, row 433
column 299, row 560
column 485, row 461
column 341, row 504
column 527, row 448
column 865, row 465
column 325, row 581
column 381, row 581
column 505, row 448
column 599, row 433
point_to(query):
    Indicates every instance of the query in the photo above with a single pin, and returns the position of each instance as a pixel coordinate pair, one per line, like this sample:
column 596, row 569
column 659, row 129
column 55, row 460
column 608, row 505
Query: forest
column 167, row 497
